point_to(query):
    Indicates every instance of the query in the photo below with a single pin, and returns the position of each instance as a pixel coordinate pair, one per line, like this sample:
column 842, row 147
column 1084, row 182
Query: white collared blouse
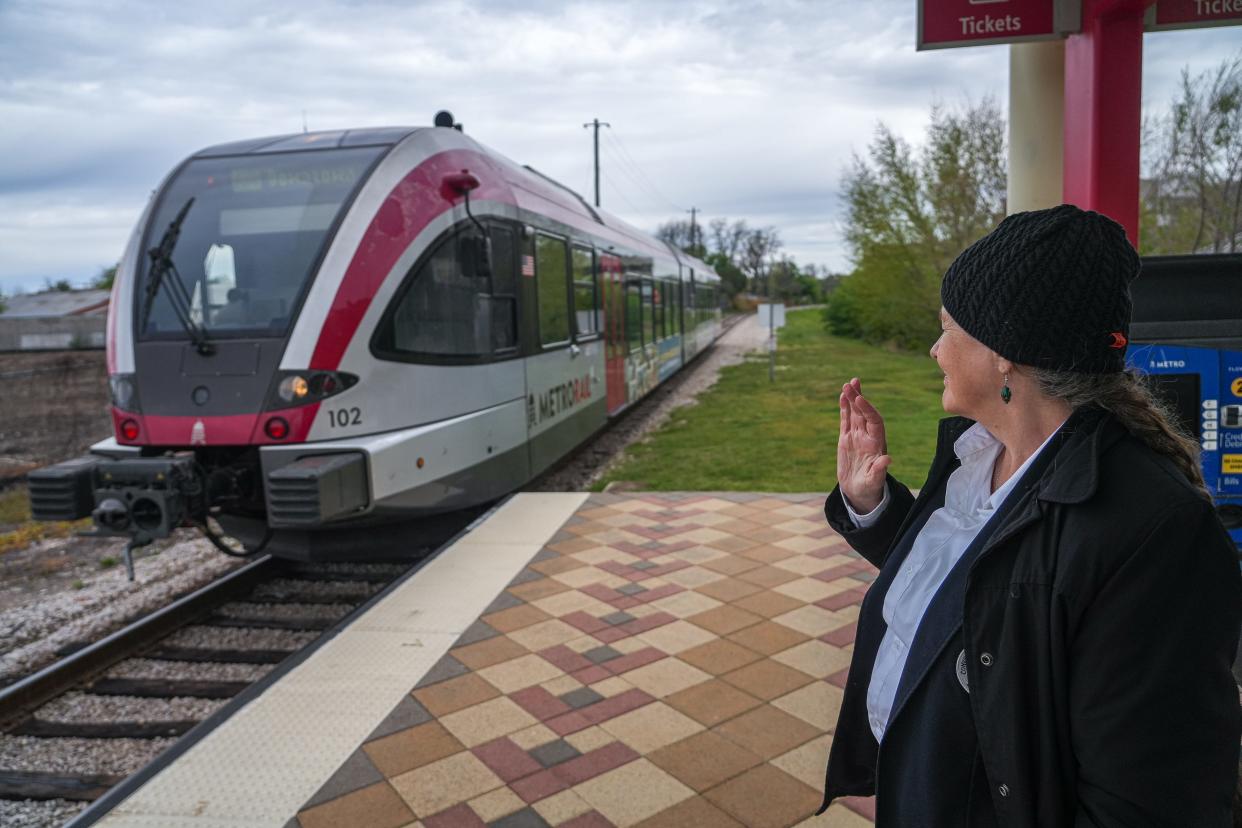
column 968, row 504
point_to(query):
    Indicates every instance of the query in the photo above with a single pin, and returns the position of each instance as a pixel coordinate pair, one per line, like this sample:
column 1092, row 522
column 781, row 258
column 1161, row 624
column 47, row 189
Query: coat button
column 986, row 659
column 1003, row 789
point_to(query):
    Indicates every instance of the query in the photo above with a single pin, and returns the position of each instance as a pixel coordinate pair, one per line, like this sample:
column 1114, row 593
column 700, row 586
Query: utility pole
column 771, row 329
column 597, row 123
column 693, row 211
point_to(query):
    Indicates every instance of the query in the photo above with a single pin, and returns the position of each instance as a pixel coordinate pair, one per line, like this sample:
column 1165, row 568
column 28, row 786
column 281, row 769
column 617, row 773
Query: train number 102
column 342, row 417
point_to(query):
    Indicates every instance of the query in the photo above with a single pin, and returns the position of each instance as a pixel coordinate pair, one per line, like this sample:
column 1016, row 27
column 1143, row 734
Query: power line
column 621, row 168
column 653, row 198
column 621, row 193
column 616, row 139
column 640, row 179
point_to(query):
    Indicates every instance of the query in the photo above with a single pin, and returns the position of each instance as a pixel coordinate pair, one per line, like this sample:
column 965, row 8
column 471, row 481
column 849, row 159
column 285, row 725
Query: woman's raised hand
column 862, row 452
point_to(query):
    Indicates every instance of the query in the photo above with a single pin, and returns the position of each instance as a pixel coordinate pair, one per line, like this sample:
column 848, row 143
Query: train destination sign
column 945, row 23
column 1193, row 14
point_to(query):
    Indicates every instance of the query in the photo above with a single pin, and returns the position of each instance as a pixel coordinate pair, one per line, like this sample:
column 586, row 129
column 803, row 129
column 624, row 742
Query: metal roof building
column 86, row 302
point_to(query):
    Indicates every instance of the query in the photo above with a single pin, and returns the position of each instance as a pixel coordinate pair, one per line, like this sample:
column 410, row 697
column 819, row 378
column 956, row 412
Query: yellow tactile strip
column 665, row 660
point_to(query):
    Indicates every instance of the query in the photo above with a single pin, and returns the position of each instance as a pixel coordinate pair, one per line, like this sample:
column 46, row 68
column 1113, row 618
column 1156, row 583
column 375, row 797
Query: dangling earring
column 1005, row 392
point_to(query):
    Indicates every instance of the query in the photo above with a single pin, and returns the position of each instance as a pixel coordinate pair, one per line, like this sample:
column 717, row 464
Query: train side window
column 446, row 308
column 648, row 312
column 504, row 290
column 670, row 307
column 586, row 302
column 634, row 316
column 601, row 289
column 552, row 278
column 674, row 292
column 687, row 295
column 657, row 316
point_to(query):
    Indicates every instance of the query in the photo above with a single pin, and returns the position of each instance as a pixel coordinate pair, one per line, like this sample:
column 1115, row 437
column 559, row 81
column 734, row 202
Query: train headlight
column 124, row 392
column 294, row 388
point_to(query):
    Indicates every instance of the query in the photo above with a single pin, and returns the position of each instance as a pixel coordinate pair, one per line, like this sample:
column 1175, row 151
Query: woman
column 1049, row 639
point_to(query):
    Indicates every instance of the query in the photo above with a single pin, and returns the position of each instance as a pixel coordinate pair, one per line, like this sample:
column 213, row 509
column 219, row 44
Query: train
column 325, row 332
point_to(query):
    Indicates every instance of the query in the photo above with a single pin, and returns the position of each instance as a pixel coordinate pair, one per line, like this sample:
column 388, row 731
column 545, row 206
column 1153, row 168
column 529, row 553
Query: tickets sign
column 946, row 23
column 1193, row 14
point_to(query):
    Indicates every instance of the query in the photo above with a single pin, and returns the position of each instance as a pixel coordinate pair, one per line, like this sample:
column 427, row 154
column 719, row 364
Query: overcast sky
column 742, row 109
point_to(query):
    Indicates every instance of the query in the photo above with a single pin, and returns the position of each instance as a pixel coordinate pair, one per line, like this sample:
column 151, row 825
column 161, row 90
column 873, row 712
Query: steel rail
column 23, row 696
column 117, row 794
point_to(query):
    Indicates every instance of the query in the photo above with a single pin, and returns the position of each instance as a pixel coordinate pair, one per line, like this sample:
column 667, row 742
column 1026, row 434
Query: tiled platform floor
column 666, row 660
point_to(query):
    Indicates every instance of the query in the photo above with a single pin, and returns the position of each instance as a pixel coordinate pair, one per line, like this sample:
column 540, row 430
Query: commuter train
column 321, row 331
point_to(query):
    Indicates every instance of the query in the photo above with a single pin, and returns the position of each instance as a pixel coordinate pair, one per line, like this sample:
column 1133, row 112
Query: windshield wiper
column 178, row 296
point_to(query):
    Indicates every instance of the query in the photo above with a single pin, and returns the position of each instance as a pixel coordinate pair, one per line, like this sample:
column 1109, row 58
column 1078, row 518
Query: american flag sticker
column 528, row 265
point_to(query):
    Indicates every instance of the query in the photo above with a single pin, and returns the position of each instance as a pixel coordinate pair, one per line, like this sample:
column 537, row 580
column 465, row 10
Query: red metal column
column 1103, row 100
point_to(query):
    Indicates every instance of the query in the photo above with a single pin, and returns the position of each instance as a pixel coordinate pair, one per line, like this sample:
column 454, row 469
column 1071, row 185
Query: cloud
column 741, row 109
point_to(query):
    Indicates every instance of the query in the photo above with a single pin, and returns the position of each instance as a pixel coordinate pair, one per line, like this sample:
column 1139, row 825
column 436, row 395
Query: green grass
column 746, row 434
column 14, row 506
column 18, row 530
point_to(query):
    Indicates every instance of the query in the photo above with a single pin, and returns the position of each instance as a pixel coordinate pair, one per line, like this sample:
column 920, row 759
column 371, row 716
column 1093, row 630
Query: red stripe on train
column 405, row 213
column 231, row 430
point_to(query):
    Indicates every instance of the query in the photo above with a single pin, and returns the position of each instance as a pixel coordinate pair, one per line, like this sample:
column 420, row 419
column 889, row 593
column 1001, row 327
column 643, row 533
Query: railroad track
column 80, row 727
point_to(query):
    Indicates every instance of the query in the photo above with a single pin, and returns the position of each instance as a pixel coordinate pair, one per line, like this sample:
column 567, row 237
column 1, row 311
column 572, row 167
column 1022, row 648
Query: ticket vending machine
column 1187, row 334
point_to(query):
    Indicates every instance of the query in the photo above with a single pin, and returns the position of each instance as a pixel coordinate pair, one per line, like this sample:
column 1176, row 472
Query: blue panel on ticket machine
column 1187, row 334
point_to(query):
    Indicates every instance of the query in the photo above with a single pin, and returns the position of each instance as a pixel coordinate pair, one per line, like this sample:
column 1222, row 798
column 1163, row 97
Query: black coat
column 1099, row 623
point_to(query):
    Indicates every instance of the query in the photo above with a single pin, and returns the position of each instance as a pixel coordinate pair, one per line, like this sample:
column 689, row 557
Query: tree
column 910, row 213
column 683, row 235
column 727, row 237
column 1192, row 200
column 731, row 276
column 757, row 248
column 743, row 256
column 60, row 285
column 105, row 278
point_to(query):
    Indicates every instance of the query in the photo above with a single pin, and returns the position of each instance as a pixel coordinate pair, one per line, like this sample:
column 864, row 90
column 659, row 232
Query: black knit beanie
column 1048, row 288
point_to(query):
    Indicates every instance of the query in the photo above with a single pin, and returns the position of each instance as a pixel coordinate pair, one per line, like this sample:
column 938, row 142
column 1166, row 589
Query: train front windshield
column 241, row 235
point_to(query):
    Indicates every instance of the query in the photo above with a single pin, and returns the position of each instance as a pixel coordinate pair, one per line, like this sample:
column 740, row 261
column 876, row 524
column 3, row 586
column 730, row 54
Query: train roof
column 327, row 139
column 529, row 182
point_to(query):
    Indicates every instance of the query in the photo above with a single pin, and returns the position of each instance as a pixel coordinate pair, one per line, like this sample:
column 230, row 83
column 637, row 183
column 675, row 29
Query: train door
column 565, row 403
column 614, row 331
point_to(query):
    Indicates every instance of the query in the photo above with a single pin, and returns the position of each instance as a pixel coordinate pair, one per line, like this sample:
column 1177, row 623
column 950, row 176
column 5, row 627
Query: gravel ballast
column 31, row 634
column 282, row 588
column 239, row 638
column 242, row 610
column 30, row 813
column 142, row 668
column 115, row 757
column 84, row 707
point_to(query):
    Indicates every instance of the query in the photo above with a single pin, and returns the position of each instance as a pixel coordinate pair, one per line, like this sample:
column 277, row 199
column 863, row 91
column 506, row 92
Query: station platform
column 648, row 659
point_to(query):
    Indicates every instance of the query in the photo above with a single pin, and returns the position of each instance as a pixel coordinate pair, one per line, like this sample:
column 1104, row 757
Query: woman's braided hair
column 1128, row 396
